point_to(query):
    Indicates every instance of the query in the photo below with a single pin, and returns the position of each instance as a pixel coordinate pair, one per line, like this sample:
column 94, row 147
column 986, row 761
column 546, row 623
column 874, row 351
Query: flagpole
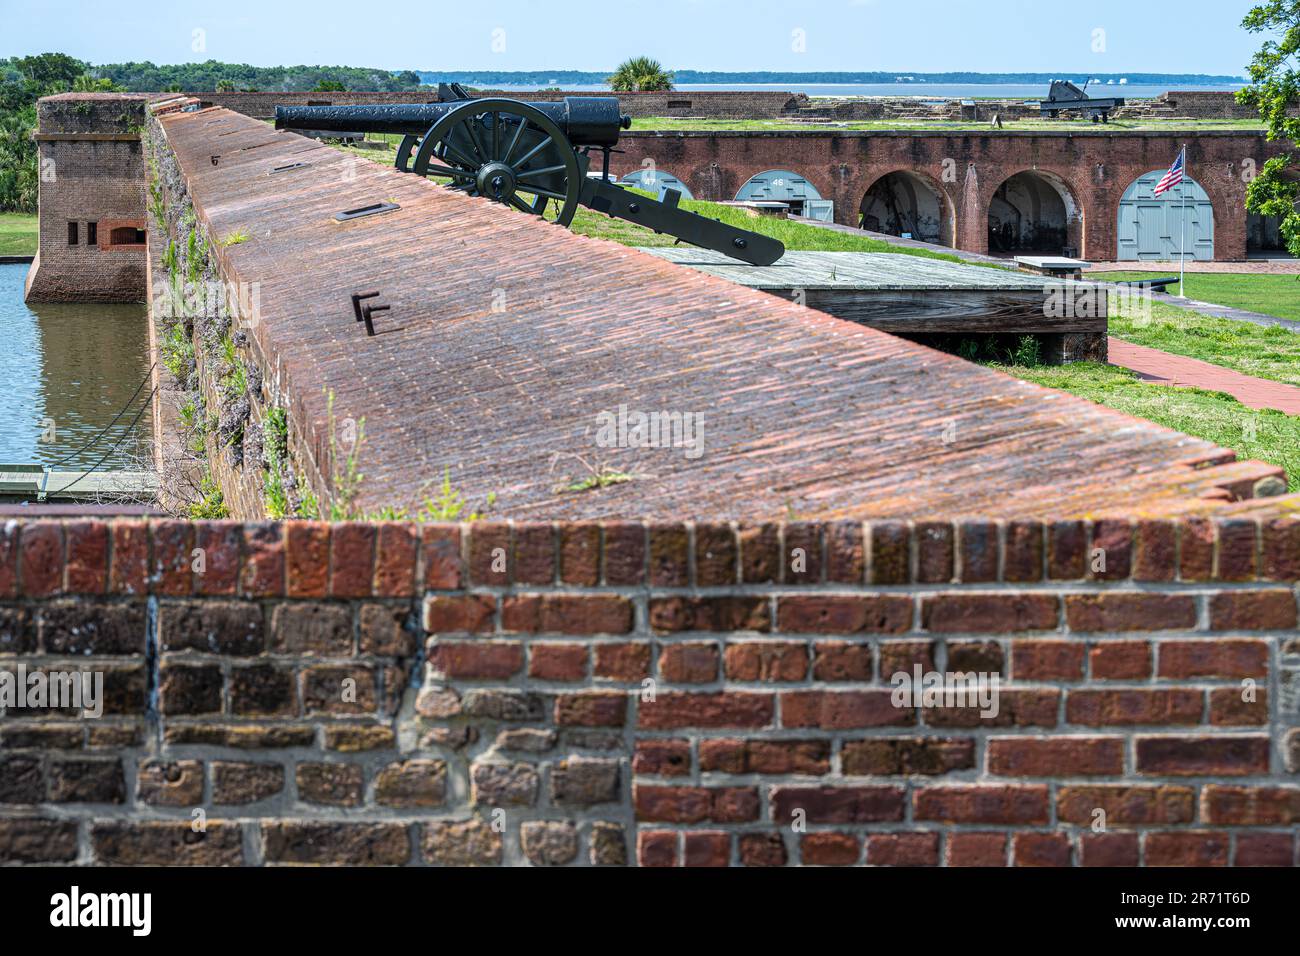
column 1182, row 227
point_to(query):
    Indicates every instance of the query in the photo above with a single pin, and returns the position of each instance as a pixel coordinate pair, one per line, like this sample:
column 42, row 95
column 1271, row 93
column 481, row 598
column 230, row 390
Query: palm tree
column 92, row 84
column 640, row 74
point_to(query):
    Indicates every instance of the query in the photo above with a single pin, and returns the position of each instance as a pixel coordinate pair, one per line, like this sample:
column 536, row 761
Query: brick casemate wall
column 1090, row 169
column 91, row 170
column 661, row 694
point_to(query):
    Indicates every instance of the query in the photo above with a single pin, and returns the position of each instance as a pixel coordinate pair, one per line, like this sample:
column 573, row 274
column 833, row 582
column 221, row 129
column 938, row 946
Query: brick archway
column 1062, row 185
column 947, row 202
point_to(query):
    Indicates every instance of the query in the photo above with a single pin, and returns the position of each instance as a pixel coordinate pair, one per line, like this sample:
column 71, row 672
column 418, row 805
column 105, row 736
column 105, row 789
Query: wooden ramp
column 915, row 295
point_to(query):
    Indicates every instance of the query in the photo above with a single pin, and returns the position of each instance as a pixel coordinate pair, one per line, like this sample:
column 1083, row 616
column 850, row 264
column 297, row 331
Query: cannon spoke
column 549, row 170
column 435, row 170
column 514, row 141
column 469, row 124
column 533, row 152
column 460, row 157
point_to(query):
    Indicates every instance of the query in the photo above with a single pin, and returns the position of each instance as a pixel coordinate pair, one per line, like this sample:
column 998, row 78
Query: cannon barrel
column 585, row 120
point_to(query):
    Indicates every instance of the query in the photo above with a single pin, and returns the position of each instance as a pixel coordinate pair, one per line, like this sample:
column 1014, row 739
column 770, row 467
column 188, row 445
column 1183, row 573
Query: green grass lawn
column 795, row 235
column 17, row 234
column 1271, row 352
column 1275, row 295
column 687, row 124
column 1269, row 436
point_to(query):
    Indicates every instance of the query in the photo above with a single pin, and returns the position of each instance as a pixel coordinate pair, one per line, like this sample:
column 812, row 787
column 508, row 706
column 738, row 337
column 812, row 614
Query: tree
column 640, row 74
column 1275, row 91
column 90, row 84
column 329, row 86
column 225, row 86
column 50, row 69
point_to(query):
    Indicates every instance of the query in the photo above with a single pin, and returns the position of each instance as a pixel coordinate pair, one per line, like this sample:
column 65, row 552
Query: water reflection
column 66, row 371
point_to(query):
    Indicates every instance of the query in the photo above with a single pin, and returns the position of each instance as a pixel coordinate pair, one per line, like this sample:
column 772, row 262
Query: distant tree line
column 23, row 80
column 211, row 75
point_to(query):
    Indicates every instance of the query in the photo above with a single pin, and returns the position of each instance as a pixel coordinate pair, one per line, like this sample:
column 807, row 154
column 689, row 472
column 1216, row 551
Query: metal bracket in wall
column 357, row 298
column 366, row 313
column 373, row 209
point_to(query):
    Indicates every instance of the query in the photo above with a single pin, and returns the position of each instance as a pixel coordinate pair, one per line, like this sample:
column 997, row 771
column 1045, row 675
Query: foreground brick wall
column 662, row 694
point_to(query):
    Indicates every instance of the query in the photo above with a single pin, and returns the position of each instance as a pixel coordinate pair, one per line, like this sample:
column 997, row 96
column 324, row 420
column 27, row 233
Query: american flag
column 1175, row 174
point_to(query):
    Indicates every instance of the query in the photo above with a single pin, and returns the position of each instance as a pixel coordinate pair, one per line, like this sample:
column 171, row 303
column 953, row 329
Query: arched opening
column 791, row 189
column 1264, row 239
column 656, row 181
column 1034, row 211
column 126, row 236
column 1156, row 228
column 907, row 205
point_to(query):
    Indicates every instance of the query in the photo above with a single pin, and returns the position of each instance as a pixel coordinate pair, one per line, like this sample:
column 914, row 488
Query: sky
column 1011, row 36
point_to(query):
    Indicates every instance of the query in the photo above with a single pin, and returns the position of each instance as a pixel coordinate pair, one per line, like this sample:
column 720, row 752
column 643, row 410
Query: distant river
column 945, row 91
column 67, row 370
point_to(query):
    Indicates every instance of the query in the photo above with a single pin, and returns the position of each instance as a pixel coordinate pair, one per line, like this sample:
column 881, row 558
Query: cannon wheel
column 493, row 164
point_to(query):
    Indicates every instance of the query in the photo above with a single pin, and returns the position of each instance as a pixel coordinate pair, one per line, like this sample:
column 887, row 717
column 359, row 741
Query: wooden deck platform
column 914, row 295
column 31, row 483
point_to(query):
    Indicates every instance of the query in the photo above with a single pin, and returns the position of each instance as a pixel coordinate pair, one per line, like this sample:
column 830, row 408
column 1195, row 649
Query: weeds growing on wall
column 344, row 468
column 211, row 503
column 449, row 504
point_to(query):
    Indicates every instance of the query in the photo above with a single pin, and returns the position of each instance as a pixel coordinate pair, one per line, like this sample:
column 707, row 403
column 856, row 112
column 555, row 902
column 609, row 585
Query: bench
column 1055, row 267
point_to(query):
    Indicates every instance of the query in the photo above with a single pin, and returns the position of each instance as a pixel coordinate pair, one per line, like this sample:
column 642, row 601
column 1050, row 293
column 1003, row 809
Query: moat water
column 66, row 371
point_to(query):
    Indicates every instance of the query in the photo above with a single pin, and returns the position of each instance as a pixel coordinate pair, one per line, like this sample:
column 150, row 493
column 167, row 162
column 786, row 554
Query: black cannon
column 532, row 156
column 1064, row 96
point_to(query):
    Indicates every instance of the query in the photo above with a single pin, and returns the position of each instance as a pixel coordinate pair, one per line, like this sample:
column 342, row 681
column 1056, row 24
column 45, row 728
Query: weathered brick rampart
column 667, row 694
column 476, row 370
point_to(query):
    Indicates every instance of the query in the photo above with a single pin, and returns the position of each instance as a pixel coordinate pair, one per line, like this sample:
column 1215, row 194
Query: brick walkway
column 1253, row 266
column 1156, row 366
